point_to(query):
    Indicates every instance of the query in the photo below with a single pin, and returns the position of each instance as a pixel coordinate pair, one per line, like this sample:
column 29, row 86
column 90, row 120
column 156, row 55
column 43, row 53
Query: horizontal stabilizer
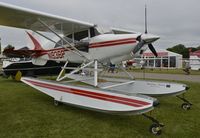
column 11, row 52
column 21, row 53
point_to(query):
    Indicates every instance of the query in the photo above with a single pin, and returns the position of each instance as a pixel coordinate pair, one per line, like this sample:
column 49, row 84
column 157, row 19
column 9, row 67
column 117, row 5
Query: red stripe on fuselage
column 104, row 43
column 112, row 41
column 105, row 97
column 119, row 42
column 113, row 44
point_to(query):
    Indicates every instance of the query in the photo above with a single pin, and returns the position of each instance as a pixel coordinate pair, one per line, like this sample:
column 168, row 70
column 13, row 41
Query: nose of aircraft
column 149, row 38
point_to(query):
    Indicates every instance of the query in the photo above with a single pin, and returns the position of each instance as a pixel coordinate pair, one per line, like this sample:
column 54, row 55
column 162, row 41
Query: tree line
column 181, row 49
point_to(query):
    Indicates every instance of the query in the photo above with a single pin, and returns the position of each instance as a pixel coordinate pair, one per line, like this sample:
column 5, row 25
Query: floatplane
column 86, row 43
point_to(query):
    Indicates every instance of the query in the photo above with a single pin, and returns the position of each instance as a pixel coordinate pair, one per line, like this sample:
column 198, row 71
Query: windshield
column 104, row 30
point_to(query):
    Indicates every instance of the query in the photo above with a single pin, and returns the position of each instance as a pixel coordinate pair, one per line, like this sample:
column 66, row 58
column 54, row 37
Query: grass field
column 165, row 71
column 0, row 67
column 25, row 112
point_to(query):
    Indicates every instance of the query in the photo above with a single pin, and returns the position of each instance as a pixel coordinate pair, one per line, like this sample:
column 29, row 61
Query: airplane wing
column 14, row 16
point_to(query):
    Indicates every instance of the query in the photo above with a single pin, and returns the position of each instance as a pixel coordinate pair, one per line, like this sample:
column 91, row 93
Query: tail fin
column 37, row 45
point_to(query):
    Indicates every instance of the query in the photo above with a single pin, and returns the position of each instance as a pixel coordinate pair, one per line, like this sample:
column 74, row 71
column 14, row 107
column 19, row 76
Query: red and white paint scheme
column 90, row 98
column 79, row 42
column 105, row 47
column 86, row 43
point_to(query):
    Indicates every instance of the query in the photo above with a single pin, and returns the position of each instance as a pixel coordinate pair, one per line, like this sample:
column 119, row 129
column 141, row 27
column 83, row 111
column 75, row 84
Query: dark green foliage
column 198, row 48
column 192, row 49
column 181, row 49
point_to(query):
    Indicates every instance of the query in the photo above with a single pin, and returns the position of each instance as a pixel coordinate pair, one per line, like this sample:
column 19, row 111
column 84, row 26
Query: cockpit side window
column 61, row 42
column 104, row 30
column 83, row 35
column 79, row 35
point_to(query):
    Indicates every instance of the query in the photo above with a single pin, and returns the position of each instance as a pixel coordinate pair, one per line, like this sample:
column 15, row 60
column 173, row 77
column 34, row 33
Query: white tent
column 165, row 59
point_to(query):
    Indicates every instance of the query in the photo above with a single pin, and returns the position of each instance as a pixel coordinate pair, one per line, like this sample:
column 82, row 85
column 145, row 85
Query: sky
column 175, row 21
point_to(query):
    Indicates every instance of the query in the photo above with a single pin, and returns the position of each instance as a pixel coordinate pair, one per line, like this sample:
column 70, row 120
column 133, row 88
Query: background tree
column 180, row 49
column 198, row 48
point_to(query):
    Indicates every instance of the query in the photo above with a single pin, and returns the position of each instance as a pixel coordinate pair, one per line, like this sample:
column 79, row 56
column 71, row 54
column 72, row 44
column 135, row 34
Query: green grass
column 165, row 71
column 25, row 112
column 0, row 67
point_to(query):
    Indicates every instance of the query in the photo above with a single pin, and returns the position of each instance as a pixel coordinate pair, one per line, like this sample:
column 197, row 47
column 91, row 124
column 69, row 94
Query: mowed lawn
column 25, row 112
column 164, row 71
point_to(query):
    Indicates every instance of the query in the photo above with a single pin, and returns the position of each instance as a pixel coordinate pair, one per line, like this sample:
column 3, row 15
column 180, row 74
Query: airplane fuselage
column 105, row 47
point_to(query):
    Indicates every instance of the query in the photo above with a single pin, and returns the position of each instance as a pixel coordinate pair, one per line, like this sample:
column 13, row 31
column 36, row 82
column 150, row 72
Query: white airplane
column 86, row 43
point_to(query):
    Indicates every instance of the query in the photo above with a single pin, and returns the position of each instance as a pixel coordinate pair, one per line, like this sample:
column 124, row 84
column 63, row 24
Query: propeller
column 145, row 19
column 139, row 45
column 151, row 47
column 146, row 38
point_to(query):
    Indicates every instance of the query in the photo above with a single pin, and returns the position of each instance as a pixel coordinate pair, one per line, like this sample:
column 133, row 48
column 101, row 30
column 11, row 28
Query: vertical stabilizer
column 37, row 45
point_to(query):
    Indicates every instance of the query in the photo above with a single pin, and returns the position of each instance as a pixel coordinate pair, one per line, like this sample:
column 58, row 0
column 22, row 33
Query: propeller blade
column 145, row 19
column 138, row 47
column 153, row 50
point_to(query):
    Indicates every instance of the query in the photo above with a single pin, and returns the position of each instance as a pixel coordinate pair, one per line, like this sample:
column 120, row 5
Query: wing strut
column 46, row 37
column 59, row 78
column 73, row 47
